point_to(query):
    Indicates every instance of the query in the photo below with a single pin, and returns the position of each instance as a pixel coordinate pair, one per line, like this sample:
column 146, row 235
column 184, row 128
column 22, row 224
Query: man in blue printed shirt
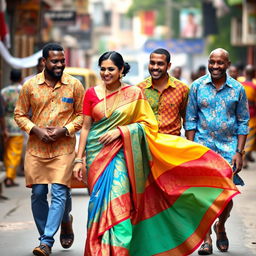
column 217, row 116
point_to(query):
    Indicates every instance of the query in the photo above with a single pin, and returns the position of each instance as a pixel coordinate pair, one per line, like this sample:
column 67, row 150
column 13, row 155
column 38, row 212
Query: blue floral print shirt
column 217, row 116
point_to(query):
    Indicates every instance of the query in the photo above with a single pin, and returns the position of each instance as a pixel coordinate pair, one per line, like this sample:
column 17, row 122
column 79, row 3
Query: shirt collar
column 41, row 78
column 208, row 80
column 170, row 83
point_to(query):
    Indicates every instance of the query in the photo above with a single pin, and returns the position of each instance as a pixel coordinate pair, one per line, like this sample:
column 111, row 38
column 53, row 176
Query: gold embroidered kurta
column 60, row 106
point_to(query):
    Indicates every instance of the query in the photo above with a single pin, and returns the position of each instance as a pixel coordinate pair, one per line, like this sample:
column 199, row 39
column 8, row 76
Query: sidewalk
column 245, row 207
column 18, row 233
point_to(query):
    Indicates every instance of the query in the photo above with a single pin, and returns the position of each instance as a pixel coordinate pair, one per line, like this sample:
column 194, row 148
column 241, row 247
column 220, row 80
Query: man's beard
column 54, row 75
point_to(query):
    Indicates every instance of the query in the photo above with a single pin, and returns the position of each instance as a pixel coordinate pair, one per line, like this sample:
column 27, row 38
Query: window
column 125, row 22
column 98, row 14
column 107, row 18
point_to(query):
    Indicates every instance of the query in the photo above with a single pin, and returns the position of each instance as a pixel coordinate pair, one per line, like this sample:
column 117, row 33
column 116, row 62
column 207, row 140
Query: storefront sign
column 61, row 17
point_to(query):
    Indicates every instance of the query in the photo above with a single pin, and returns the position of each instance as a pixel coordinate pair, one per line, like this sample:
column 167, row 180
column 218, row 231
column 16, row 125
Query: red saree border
column 114, row 250
column 126, row 97
column 102, row 160
column 117, row 211
column 104, row 249
column 129, row 160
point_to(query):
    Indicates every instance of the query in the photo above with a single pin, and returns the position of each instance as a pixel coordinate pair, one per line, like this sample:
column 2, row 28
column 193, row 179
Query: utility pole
column 168, row 18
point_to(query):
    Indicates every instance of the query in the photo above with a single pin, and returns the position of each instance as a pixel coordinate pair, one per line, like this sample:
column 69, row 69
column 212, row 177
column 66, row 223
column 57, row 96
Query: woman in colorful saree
column 150, row 193
column 250, row 88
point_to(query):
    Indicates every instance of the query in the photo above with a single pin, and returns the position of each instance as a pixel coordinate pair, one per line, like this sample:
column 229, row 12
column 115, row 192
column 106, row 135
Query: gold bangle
column 78, row 160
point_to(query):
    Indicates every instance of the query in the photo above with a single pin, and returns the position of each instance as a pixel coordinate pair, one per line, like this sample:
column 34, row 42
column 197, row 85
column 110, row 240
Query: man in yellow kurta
column 14, row 138
column 55, row 99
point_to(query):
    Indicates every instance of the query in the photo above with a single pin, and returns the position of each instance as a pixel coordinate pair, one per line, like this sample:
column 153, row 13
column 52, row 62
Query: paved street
column 18, row 233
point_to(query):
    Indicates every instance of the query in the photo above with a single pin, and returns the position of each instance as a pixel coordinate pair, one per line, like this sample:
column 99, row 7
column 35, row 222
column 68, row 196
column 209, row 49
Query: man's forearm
column 190, row 134
column 241, row 142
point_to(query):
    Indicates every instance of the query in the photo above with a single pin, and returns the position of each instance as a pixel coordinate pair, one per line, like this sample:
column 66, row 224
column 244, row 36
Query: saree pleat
column 110, row 192
column 151, row 194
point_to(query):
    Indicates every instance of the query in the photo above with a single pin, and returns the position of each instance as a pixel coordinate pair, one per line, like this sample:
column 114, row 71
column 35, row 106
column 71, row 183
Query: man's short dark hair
column 15, row 75
column 39, row 61
column 164, row 52
column 51, row 47
column 202, row 68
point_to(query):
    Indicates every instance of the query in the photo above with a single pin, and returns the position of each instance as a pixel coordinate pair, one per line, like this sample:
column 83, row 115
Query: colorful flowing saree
column 151, row 194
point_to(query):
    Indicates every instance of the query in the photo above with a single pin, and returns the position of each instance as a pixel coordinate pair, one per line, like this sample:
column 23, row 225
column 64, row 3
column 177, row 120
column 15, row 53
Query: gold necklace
column 109, row 112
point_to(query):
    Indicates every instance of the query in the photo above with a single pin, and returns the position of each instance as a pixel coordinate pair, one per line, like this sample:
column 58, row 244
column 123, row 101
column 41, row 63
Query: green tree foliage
column 142, row 5
column 222, row 39
column 159, row 5
column 145, row 5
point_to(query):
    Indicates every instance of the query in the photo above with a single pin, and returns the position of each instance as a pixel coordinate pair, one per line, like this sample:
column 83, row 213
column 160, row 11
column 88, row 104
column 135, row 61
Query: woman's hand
column 109, row 136
column 78, row 171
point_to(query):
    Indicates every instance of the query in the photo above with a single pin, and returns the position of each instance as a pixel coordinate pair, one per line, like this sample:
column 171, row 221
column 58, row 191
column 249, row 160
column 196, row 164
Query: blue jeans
column 48, row 218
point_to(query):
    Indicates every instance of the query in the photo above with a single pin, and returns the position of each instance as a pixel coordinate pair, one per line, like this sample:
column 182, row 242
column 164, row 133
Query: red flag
column 3, row 27
column 148, row 20
column 4, row 33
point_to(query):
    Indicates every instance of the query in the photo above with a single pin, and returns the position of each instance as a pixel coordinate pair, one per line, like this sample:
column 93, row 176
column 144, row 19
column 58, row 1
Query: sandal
column 42, row 250
column 67, row 234
column 222, row 240
column 8, row 182
column 205, row 249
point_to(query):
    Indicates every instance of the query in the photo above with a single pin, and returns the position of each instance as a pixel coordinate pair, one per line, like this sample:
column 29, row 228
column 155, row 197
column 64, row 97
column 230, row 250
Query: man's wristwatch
column 66, row 132
column 241, row 152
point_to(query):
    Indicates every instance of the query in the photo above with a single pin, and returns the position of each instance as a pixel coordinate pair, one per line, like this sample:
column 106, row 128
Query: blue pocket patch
column 68, row 100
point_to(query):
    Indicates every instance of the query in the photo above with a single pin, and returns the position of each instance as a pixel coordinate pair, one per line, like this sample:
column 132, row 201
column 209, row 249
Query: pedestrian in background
column 3, row 129
column 217, row 117
column 147, row 189
column 250, row 89
column 14, row 141
column 193, row 76
column 55, row 99
column 39, row 69
column 177, row 73
column 201, row 70
column 233, row 71
column 166, row 94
